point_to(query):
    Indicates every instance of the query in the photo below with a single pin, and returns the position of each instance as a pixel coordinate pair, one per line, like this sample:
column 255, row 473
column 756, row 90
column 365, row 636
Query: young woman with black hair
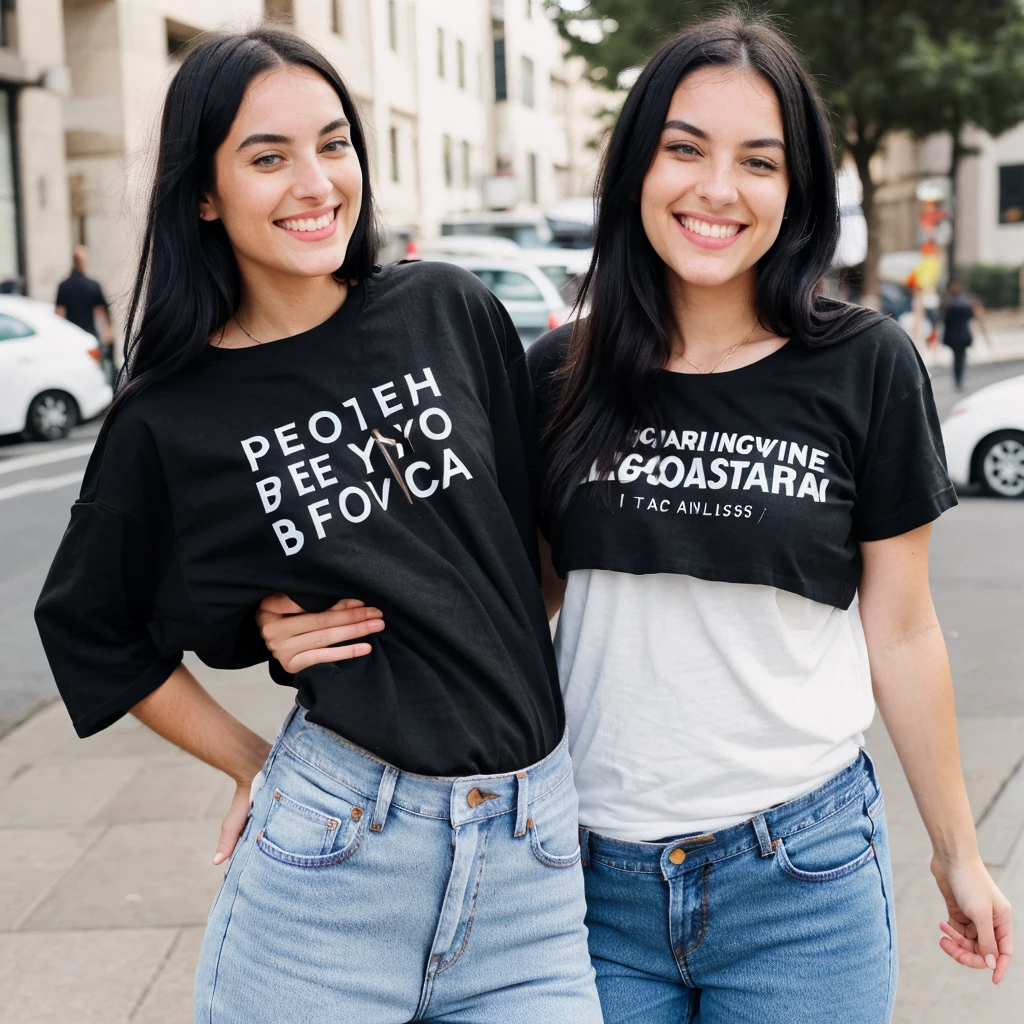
column 731, row 459
column 296, row 419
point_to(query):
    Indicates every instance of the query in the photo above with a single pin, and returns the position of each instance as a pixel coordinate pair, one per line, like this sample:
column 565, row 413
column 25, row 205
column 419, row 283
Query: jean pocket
column 307, row 827
column 553, row 827
column 830, row 849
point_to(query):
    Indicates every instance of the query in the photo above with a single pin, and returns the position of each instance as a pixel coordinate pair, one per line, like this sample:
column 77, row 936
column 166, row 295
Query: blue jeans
column 787, row 918
column 362, row 893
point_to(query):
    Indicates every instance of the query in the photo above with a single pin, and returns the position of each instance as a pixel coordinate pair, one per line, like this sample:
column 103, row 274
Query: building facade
column 455, row 94
column 34, row 233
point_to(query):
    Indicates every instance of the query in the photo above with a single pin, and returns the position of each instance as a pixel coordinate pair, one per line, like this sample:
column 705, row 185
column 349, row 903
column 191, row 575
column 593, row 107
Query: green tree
column 965, row 82
column 882, row 67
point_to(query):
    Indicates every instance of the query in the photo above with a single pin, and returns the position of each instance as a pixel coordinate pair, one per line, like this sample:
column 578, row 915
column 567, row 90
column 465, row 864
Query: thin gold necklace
column 258, row 342
column 700, row 369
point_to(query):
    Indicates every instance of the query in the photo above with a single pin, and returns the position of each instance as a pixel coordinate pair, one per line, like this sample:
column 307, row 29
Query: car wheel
column 1000, row 464
column 51, row 415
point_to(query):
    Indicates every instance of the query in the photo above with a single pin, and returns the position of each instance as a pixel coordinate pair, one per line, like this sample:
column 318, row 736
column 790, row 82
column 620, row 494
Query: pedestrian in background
column 958, row 310
column 80, row 299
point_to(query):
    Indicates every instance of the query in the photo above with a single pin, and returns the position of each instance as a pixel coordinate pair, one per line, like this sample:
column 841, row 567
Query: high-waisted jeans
column 362, row 893
column 785, row 919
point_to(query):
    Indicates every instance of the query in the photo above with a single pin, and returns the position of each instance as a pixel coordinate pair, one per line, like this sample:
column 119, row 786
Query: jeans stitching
column 831, row 875
column 472, row 912
column 324, row 860
column 703, row 915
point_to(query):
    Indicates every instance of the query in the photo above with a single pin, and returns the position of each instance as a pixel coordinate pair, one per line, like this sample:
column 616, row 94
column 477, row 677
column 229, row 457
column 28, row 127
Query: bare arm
column 913, row 687
column 61, row 311
column 185, row 714
column 106, row 328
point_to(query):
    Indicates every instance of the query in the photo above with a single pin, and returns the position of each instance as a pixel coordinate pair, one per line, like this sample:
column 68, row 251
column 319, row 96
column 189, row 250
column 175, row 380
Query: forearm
column 914, row 691
column 186, row 715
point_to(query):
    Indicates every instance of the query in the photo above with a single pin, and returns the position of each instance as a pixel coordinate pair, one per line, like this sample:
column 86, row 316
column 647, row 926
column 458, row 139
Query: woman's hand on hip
column 298, row 638
column 233, row 824
column 979, row 933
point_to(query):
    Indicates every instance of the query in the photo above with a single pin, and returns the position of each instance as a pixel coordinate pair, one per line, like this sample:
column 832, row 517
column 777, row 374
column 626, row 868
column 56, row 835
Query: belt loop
column 764, row 838
column 584, row 846
column 522, row 804
column 384, row 793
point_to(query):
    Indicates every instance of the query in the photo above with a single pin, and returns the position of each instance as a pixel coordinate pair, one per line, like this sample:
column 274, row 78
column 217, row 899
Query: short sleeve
column 94, row 611
column 902, row 481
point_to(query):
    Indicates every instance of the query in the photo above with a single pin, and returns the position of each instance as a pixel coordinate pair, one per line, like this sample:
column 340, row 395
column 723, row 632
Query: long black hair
column 616, row 352
column 188, row 284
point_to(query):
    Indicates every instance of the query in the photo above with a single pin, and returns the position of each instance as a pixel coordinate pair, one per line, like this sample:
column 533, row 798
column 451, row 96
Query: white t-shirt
column 692, row 705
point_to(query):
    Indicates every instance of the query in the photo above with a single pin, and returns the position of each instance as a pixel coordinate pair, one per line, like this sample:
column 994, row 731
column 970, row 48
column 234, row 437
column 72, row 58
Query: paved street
column 105, row 844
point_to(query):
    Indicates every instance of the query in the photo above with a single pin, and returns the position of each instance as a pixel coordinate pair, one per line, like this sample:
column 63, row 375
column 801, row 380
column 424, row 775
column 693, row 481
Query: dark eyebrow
column 770, row 143
column 341, row 122
column 282, row 140
column 264, row 140
column 685, row 126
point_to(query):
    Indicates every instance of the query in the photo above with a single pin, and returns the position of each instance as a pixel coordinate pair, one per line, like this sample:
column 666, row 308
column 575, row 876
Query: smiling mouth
column 307, row 223
column 706, row 230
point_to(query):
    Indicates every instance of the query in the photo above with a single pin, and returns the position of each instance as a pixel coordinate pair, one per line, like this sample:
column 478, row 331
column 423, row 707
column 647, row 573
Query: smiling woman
column 295, row 419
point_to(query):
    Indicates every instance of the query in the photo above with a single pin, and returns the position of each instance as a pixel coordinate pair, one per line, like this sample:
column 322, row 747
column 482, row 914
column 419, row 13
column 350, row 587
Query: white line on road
column 46, row 483
column 44, row 458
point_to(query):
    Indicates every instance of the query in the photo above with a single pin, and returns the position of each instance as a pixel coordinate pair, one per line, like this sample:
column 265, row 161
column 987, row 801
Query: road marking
column 44, row 458
column 46, row 483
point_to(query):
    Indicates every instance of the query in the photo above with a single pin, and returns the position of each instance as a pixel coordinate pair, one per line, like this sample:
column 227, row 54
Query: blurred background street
column 486, row 119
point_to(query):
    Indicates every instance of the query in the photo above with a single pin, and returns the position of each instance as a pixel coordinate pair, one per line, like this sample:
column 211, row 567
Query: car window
column 508, row 286
column 11, row 327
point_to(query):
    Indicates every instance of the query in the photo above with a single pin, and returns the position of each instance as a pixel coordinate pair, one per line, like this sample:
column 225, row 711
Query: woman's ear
column 207, row 209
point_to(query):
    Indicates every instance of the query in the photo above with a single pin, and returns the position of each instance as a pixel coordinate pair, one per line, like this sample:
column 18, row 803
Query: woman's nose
column 716, row 185
column 311, row 182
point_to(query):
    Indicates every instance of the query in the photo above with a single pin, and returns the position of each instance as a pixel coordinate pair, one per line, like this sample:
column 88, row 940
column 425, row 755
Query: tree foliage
column 920, row 66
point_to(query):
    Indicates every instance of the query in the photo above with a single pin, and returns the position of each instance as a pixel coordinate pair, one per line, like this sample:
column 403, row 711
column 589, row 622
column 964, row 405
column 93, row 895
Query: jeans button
column 677, row 856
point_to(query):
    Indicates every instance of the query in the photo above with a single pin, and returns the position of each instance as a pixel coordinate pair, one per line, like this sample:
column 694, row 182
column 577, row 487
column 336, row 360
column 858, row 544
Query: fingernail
column 219, row 857
column 991, row 961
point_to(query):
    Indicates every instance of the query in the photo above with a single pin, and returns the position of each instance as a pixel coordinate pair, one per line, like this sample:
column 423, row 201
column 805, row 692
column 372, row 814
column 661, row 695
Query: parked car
column 51, row 374
column 984, row 439
column 526, row 292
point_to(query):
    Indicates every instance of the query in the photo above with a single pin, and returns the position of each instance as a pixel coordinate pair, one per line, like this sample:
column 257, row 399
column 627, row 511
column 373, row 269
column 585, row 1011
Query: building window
column 460, row 63
column 338, row 17
column 465, row 165
column 448, row 161
column 1011, row 194
column 178, row 37
column 8, row 192
column 526, row 66
column 529, row 8
column 500, row 79
column 7, row 24
column 440, row 53
column 531, row 176
column 281, row 11
column 392, row 25
column 393, row 141
column 558, row 91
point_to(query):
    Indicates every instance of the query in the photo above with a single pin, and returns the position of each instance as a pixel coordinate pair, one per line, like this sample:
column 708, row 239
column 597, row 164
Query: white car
column 524, row 290
column 51, row 374
column 984, row 439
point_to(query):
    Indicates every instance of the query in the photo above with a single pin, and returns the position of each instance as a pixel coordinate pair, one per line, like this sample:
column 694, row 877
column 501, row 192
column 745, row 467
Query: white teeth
column 702, row 227
column 308, row 223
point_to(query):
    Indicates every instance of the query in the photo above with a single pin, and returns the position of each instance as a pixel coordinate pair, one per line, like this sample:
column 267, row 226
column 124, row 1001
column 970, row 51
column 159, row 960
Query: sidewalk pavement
column 106, row 876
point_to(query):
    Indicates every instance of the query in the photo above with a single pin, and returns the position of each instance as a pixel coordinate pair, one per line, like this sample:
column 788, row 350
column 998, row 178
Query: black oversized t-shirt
column 771, row 473
column 257, row 470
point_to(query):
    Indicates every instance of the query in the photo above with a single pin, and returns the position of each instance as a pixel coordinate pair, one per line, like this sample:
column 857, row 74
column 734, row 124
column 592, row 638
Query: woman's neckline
column 754, row 369
column 342, row 317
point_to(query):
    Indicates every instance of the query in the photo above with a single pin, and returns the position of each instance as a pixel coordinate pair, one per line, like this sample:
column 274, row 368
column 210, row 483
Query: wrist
column 956, row 851
column 250, row 761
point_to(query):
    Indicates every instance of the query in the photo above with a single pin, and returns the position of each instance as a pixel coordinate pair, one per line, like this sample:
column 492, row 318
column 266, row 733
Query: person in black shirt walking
column 80, row 299
column 958, row 310
column 295, row 419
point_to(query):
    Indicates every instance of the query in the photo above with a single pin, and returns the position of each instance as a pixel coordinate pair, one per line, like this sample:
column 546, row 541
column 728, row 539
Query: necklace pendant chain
column 701, row 369
column 244, row 331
